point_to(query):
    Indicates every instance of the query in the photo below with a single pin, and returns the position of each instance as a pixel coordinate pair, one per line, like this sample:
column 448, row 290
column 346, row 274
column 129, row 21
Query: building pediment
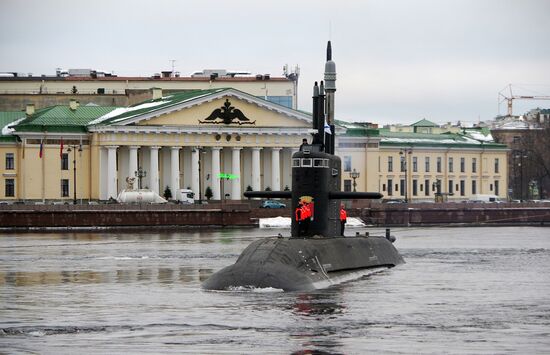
column 221, row 109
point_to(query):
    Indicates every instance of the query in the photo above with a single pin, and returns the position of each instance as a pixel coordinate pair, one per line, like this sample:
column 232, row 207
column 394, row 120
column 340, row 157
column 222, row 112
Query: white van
column 185, row 196
column 486, row 198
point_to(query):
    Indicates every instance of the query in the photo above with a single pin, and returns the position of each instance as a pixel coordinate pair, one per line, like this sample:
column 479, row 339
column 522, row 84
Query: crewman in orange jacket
column 343, row 219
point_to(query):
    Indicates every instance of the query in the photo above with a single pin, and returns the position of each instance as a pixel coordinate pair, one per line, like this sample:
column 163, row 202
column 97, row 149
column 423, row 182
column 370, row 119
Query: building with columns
column 190, row 139
column 180, row 140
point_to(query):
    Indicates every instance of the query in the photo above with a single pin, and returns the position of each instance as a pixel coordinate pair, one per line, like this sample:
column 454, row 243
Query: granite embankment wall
column 22, row 217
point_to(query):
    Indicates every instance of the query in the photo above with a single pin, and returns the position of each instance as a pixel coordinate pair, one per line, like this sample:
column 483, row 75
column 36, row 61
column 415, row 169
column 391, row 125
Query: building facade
column 43, row 91
column 194, row 139
column 420, row 167
column 183, row 140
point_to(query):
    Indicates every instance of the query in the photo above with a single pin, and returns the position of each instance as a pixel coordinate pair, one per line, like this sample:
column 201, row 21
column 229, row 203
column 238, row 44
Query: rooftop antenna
column 173, row 65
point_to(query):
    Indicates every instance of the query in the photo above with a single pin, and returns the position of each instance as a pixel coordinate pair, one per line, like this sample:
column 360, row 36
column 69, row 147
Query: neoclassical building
column 180, row 140
column 193, row 139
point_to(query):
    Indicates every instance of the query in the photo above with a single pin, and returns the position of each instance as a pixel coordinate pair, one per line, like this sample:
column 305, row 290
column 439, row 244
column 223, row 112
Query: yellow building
column 87, row 86
column 419, row 166
column 180, row 140
column 187, row 139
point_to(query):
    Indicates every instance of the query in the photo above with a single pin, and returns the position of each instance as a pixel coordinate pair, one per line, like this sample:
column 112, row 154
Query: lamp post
column 354, row 175
column 74, row 148
column 140, row 174
column 404, row 152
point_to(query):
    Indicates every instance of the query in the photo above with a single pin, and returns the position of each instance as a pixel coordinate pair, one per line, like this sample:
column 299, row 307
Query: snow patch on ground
column 284, row 222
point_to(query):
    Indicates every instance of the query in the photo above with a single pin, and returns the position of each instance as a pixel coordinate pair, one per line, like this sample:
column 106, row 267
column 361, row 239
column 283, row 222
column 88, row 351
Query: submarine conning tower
column 316, row 171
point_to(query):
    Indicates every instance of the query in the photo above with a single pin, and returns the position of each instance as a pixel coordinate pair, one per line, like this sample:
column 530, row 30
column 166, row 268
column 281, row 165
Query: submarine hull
column 296, row 264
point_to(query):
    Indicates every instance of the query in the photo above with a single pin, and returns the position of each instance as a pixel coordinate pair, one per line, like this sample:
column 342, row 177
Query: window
column 427, row 187
column 281, row 100
column 10, row 188
column 402, row 187
column 496, row 165
column 462, row 188
column 415, row 164
column 306, row 162
column 415, row 187
column 462, row 165
column 450, row 164
column 496, row 187
column 427, row 164
column 390, row 164
column 347, row 163
column 64, row 187
column 320, row 163
column 438, row 164
column 474, row 187
column 295, row 163
column 10, row 162
column 390, row 187
column 65, row 161
column 474, row 165
column 450, row 187
column 347, row 185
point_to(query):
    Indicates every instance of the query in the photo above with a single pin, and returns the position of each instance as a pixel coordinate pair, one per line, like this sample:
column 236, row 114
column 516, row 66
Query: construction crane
column 502, row 96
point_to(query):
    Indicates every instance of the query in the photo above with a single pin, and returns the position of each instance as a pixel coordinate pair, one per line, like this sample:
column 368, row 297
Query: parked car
column 391, row 202
column 272, row 204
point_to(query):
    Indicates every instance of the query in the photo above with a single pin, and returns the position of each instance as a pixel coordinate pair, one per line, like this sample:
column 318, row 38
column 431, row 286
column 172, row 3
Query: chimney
column 29, row 110
column 157, row 93
column 73, row 104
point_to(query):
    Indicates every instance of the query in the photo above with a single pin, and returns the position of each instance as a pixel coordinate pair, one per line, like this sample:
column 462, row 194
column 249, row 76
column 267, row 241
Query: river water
column 462, row 291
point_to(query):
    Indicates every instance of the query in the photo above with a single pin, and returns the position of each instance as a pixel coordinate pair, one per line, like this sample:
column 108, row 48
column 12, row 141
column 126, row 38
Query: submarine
column 316, row 254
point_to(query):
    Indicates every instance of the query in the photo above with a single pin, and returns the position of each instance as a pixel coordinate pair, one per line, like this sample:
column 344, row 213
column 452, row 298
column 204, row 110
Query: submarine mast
column 330, row 89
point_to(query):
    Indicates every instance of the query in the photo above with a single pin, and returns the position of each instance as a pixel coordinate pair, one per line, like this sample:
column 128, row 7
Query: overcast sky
column 397, row 60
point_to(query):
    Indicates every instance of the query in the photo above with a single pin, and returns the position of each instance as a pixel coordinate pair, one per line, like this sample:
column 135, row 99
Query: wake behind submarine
column 315, row 256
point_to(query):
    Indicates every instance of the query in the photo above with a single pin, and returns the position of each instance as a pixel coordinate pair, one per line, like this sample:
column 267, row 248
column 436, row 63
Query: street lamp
column 354, row 175
column 140, row 174
column 69, row 150
column 201, row 151
column 404, row 152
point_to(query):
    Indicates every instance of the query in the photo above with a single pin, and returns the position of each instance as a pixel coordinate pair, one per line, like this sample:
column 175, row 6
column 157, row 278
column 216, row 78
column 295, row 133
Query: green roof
column 62, row 119
column 424, row 123
column 451, row 140
column 5, row 119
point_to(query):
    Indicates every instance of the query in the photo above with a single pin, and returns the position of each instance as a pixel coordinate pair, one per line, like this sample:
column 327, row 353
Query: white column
column 256, row 179
column 133, row 164
column 236, row 170
column 216, row 173
column 195, row 178
column 174, row 170
column 289, row 165
column 111, row 172
column 275, row 169
column 154, row 169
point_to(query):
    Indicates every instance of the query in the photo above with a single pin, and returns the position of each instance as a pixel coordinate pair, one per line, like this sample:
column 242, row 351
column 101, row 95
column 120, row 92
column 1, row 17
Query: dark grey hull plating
column 295, row 264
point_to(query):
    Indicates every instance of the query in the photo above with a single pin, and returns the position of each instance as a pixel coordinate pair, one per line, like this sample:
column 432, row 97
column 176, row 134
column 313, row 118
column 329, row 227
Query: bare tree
column 536, row 147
